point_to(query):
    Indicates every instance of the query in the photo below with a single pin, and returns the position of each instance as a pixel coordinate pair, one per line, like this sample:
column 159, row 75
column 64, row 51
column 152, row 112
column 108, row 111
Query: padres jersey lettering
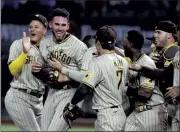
column 107, row 75
column 70, row 52
column 26, row 79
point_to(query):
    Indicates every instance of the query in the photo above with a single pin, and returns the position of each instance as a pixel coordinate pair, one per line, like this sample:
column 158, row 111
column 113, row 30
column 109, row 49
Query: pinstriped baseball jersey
column 176, row 82
column 25, row 80
column 176, row 63
column 106, row 75
column 136, row 79
column 154, row 119
column 69, row 52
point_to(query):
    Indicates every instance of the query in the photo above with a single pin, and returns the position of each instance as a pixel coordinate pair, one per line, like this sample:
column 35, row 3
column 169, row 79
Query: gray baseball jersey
column 176, row 82
column 107, row 75
column 150, row 120
column 23, row 108
column 176, row 63
column 70, row 53
column 25, row 79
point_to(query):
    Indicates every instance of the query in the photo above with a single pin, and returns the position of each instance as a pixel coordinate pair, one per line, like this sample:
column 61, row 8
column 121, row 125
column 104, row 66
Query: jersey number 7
column 119, row 74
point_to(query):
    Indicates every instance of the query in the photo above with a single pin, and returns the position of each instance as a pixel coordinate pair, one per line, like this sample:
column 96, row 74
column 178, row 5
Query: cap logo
column 37, row 15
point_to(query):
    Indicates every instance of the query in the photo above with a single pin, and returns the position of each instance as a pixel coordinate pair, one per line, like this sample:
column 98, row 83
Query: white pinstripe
column 150, row 120
column 103, row 78
column 176, row 82
column 22, row 109
column 52, row 119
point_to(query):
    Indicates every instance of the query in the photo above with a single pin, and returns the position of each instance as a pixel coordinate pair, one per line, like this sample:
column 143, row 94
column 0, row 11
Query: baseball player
column 24, row 100
column 106, row 76
column 149, row 113
column 69, row 50
column 165, row 37
column 172, row 94
column 166, row 44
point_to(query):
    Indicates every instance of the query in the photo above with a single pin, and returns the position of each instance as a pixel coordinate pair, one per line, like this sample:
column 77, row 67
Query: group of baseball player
column 131, row 90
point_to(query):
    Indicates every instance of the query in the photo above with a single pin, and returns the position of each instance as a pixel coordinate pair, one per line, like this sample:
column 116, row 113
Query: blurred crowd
column 142, row 12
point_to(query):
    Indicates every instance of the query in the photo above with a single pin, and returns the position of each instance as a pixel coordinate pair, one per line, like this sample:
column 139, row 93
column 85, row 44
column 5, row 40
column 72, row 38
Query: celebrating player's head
column 165, row 33
column 37, row 27
column 59, row 23
column 105, row 38
column 133, row 40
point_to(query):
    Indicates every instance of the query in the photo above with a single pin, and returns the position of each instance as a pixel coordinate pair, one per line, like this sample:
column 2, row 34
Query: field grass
column 5, row 127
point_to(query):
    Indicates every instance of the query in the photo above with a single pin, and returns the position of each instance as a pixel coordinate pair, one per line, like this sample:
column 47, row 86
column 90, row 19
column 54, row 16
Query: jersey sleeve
column 146, row 84
column 80, row 54
column 93, row 76
column 88, row 56
column 45, row 48
column 15, row 50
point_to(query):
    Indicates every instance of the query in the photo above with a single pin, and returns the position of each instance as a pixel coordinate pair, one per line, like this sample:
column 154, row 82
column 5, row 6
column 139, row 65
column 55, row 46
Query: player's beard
column 58, row 37
column 128, row 53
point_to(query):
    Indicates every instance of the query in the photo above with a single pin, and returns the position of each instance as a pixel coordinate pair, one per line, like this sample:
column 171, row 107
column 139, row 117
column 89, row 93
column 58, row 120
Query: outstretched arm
column 153, row 73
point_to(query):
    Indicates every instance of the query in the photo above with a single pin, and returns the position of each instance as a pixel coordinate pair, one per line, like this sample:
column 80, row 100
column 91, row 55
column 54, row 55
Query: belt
column 31, row 92
column 146, row 107
column 110, row 107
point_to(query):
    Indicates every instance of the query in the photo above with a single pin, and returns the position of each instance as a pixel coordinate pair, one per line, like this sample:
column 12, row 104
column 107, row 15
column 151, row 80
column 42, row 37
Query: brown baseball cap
column 106, row 34
column 40, row 18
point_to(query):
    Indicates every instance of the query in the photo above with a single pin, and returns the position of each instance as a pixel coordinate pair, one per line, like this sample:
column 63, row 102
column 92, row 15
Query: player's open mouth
column 59, row 33
column 33, row 34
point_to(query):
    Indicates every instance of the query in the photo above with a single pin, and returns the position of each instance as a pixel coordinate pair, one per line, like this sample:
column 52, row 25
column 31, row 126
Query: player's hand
column 155, row 58
column 26, row 43
column 54, row 63
column 36, row 67
column 135, row 67
column 63, row 78
column 173, row 92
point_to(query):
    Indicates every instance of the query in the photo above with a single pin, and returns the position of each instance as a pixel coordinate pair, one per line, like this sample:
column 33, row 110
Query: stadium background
column 86, row 17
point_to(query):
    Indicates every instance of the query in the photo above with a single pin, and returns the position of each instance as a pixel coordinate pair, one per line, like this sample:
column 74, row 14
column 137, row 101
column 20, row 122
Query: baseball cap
column 107, row 35
column 40, row 18
column 167, row 26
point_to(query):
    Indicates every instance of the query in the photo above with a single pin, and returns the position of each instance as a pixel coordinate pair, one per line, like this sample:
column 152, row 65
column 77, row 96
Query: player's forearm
column 152, row 73
column 16, row 66
column 158, row 73
column 80, row 94
column 75, row 75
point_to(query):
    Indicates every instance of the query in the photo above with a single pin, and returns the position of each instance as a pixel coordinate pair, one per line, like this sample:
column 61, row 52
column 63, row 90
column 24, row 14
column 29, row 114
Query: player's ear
column 50, row 24
column 169, row 35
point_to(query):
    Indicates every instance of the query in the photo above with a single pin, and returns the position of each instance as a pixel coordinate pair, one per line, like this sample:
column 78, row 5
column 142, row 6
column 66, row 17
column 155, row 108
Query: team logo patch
column 87, row 76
